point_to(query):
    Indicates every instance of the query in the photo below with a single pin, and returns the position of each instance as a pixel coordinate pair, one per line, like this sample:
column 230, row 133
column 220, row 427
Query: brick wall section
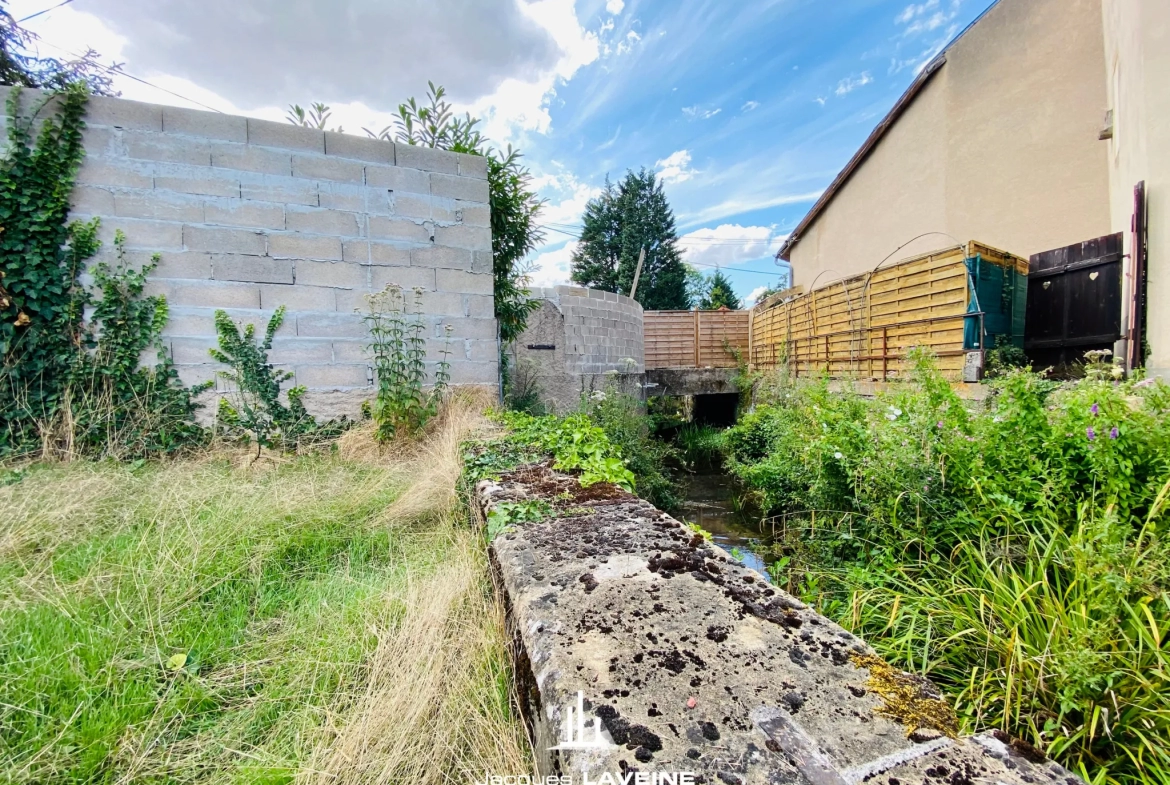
column 250, row 214
column 603, row 330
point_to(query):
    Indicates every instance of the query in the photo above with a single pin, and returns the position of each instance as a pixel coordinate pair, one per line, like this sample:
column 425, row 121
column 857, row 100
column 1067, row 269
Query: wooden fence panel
column 695, row 339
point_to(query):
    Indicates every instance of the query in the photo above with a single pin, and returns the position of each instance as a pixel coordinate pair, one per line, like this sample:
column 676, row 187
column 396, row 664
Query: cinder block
column 362, row 148
column 343, row 196
column 429, row 159
column 160, row 205
column 319, row 167
column 470, row 214
column 412, row 206
column 384, row 228
column 472, row 165
column 250, row 158
column 471, row 329
column 91, row 200
column 464, row 282
column 256, row 269
column 216, row 182
column 296, row 351
column 395, row 178
column 487, row 373
column 283, row 190
column 393, row 255
column 302, row 246
column 99, row 140
column 441, row 303
column 335, row 274
column 332, row 375
column 223, row 240
column 194, row 350
column 119, row 113
column 192, row 375
column 334, row 325
column 189, row 321
column 206, row 125
column 480, row 305
column 357, row 251
column 318, row 220
column 407, row 278
column 455, row 187
column 443, row 211
column 242, row 212
column 351, row 301
column 120, row 173
column 298, row 297
column 481, row 351
column 475, row 238
column 142, row 234
column 206, row 294
column 182, row 264
column 481, row 262
column 145, row 146
column 436, row 256
column 351, row 351
column 286, row 136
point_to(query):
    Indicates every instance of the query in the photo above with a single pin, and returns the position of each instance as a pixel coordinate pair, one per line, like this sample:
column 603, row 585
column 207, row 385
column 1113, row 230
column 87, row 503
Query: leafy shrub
column 624, row 420
column 701, row 446
column 399, row 351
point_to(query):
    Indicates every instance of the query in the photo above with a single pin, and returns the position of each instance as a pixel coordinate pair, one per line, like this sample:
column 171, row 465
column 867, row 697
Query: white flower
column 894, row 413
column 838, row 455
column 597, row 395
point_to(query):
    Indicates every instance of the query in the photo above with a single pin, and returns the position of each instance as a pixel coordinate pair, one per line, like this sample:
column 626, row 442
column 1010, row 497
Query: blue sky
column 747, row 109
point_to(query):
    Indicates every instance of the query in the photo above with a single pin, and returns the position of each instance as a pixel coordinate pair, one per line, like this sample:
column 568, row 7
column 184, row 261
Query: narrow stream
column 708, row 503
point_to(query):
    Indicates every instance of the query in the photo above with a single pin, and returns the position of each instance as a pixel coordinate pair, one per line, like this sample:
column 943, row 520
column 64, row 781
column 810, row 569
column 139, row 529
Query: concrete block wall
column 249, row 215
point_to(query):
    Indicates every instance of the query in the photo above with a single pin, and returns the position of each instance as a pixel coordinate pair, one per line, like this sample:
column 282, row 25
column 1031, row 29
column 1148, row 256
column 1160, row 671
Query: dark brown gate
column 1074, row 301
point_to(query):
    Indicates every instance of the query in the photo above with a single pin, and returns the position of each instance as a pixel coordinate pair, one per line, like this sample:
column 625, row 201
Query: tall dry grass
column 322, row 618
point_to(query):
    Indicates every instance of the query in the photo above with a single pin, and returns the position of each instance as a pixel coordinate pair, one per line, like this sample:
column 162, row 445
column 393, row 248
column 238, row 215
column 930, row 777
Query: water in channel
column 708, row 503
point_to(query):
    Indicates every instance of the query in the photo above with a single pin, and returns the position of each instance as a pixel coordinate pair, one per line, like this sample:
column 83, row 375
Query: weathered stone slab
column 695, row 664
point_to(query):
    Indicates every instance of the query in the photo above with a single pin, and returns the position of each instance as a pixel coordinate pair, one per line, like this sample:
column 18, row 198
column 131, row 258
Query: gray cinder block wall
column 596, row 340
column 249, row 215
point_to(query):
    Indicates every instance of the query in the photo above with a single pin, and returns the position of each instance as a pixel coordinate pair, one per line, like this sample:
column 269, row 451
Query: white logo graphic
column 573, row 736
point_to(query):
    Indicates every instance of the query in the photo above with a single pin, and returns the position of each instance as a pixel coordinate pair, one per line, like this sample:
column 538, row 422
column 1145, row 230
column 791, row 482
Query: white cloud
column 754, row 198
column 729, row 244
column 851, row 83
column 912, row 11
column 675, row 168
column 754, row 296
column 820, row 99
column 698, row 113
column 615, row 6
column 749, row 106
column 627, row 44
column 553, row 267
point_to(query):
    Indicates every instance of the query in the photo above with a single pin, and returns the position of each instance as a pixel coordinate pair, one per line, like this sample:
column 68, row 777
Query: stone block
column 436, row 256
column 205, row 125
column 202, row 182
column 379, row 201
column 145, row 146
column 486, row 373
column 143, row 235
column 395, row 178
column 481, row 262
column 471, row 329
column 334, row 274
column 192, row 375
column 298, row 297
column 302, row 246
column 475, row 238
column 285, row 136
column 357, row 251
column 119, row 173
column 455, row 187
column 206, row 294
column 249, row 158
column 182, row 264
column 243, row 212
column 413, row 206
column 408, row 278
column 351, row 351
column 480, row 305
column 411, row 156
column 193, row 350
column 351, row 300
column 297, row 351
column 334, row 325
column 91, row 200
column 256, row 269
column 343, row 196
column 102, row 141
column 393, row 255
column 283, row 190
column 189, row 321
column 119, row 113
column 472, row 165
column 463, row 281
column 319, row 220
column 160, row 205
column 361, row 148
column 320, row 167
column 331, row 404
column 471, row 214
column 215, row 239
column 385, row 228
column 481, row 351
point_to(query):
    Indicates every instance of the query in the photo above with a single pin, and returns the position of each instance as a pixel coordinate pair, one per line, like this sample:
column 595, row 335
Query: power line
column 47, row 10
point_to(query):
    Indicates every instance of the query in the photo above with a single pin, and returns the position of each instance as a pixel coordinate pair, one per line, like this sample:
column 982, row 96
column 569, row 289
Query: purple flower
column 940, row 424
column 1089, row 432
column 1113, row 432
column 1094, row 409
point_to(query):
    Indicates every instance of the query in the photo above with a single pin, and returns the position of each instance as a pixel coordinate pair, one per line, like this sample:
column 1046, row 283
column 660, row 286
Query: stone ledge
column 694, row 663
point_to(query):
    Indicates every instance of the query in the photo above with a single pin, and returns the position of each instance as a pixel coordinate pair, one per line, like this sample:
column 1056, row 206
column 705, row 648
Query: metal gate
column 1074, row 301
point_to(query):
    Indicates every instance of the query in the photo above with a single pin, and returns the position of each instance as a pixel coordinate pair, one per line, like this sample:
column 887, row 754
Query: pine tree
column 619, row 223
column 719, row 294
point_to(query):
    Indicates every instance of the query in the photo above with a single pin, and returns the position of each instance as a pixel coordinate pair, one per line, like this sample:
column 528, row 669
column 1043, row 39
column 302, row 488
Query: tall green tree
column 719, row 294
column 623, row 220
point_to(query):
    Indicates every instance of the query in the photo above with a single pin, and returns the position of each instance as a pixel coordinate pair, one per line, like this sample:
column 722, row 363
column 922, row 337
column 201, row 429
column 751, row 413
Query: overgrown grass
column 325, row 618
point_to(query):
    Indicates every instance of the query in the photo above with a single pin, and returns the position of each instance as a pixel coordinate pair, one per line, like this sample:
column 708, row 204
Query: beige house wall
column 999, row 146
column 1137, row 61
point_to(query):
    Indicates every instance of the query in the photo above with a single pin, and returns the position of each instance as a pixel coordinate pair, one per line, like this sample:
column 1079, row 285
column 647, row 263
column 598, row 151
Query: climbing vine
column 70, row 385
